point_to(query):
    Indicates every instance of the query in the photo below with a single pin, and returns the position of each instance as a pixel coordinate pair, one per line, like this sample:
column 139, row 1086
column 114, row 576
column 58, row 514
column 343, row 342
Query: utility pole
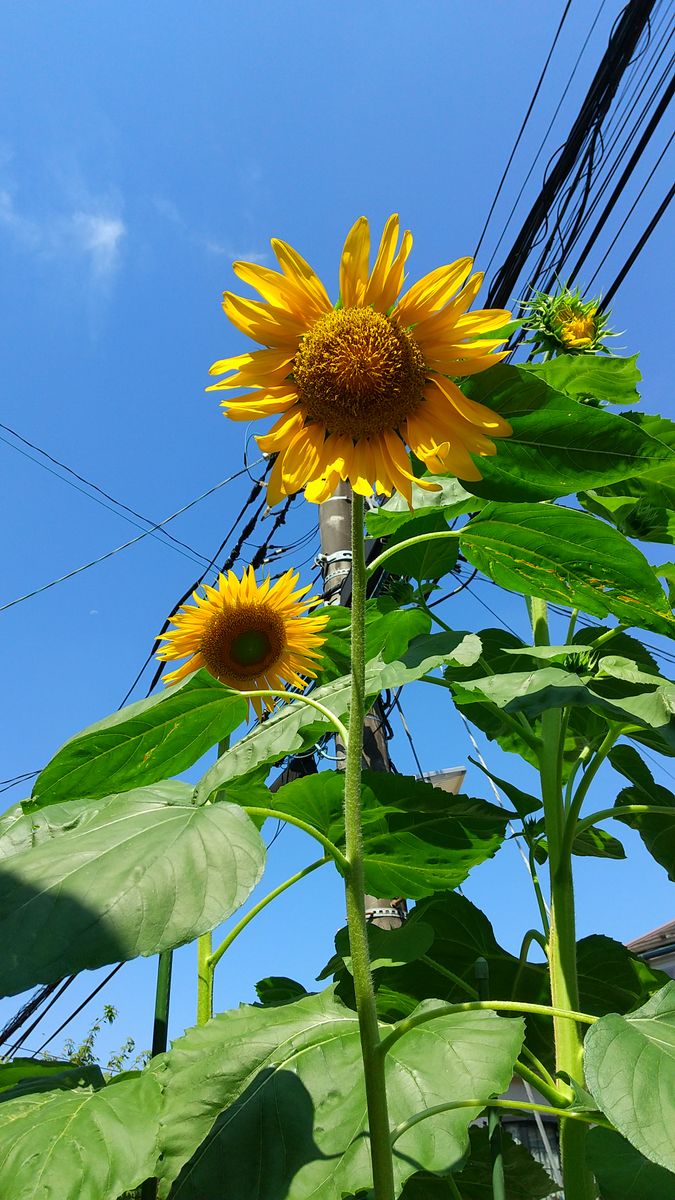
column 335, row 561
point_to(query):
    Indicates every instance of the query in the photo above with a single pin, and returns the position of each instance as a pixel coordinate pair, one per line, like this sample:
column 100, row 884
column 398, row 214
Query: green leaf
column 32, row 828
column 569, row 558
column 451, row 499
column 597, row 843
column 139, row 877
column 427, row 560
column 279, row 989
column 558, row 446
column 389, row 631
column 142, row 743
column 523, row 802
column 388, row 947
column 630, row 1068
column 417, row 838
column 657, row 830
column 635, row 517
column 622, row 1172
column 24, row 1075
column 598, row 376
column 252, row 1080
column 80, row 1145
column 297, row 726
column 524, row 1177
column 657, row 484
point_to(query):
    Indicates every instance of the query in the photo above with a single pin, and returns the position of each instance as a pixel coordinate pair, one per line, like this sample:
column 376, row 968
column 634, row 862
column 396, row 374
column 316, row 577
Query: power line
column 76, row 1012
column 192, row 553
column 109, row 554
column 638, row 247
column 522, row 127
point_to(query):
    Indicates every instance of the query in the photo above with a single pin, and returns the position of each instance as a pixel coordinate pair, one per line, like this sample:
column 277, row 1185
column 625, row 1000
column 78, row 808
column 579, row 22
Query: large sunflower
column 250, row 637
column 353, row 384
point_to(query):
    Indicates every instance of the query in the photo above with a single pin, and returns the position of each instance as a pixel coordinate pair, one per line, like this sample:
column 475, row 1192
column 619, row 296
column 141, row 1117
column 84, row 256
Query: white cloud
column 91, row 235
column 99, row 236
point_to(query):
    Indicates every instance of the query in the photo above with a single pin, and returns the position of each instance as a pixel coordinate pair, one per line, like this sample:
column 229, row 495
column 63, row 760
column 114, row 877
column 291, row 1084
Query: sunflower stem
column 373, row 1061
column 562, row 950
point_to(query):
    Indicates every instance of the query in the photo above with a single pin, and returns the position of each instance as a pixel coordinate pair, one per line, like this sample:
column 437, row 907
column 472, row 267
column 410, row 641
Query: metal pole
column 335, row 561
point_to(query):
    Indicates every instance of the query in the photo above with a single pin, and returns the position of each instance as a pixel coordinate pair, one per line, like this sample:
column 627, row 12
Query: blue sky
column 142, row 149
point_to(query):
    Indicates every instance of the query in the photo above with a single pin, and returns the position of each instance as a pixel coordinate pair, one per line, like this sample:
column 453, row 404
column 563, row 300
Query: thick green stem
column 562, row 951
column 241, row 925
column 204, row 978
column 576, row 801
column 373, row 1062
column 507, row 1006
column 516, row 1105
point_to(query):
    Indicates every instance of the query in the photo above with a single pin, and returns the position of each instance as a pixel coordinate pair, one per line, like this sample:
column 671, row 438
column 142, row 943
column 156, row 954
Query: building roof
column 664, row 935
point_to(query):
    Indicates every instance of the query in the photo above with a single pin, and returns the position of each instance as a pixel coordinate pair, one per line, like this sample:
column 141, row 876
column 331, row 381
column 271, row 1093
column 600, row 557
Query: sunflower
column 564, row 323
column 248, row 636
column 353, row 384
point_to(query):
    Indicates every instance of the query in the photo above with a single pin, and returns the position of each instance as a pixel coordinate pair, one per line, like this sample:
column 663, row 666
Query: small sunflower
column 353, row 384
column 566, row 323
column 248, row 636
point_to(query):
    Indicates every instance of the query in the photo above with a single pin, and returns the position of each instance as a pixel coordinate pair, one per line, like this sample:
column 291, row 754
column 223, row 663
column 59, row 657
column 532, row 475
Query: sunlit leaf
column 24, row 1075
column 598, row 376
column 80, row 1145
column 558, row 446
column 143, row 743
column 630, row 1068
column 451, row 499
column 255, row 1079
column 569, row 558
column 139, row 877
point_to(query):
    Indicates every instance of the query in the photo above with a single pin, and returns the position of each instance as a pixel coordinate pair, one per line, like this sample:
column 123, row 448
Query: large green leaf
column 27, row 829
column 622, row 1172
column 417, row 838
column 451, row 499
column 297, row 726
column 139, row 877
column 657, row 830
column 80, row 1145
column 277, row 1094
column 24, row 1075
column 630, row 1068
column 524, row 1177
column 143, row 743
column 558, row 446
column 655, row 486
column 598, row 376
column 567, row 557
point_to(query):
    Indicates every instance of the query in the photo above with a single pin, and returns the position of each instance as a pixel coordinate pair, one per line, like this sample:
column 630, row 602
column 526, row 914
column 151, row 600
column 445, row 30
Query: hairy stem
column 373, row 1062
column 204, row 978
column 562, row 951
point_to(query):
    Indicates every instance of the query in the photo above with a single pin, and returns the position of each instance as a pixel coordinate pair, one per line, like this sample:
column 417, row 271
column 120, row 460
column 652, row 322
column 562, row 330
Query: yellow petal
column 354, row 264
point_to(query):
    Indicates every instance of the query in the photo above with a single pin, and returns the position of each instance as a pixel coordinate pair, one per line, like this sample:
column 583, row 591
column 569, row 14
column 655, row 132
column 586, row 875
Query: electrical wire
column 76, row 1012
column 522, row 127
column 124, row 546
column 179, row 545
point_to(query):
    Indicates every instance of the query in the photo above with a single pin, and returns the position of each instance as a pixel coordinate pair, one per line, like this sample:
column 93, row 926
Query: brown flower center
column 358, row 373
column 243, row 643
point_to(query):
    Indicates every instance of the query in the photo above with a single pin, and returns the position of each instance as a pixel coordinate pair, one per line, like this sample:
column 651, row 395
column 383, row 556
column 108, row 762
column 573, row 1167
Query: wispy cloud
column 90, row 236
column 229, row 248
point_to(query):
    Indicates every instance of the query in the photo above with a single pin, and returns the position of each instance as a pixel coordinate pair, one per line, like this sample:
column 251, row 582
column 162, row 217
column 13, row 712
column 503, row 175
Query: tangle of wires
column 619, row 118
